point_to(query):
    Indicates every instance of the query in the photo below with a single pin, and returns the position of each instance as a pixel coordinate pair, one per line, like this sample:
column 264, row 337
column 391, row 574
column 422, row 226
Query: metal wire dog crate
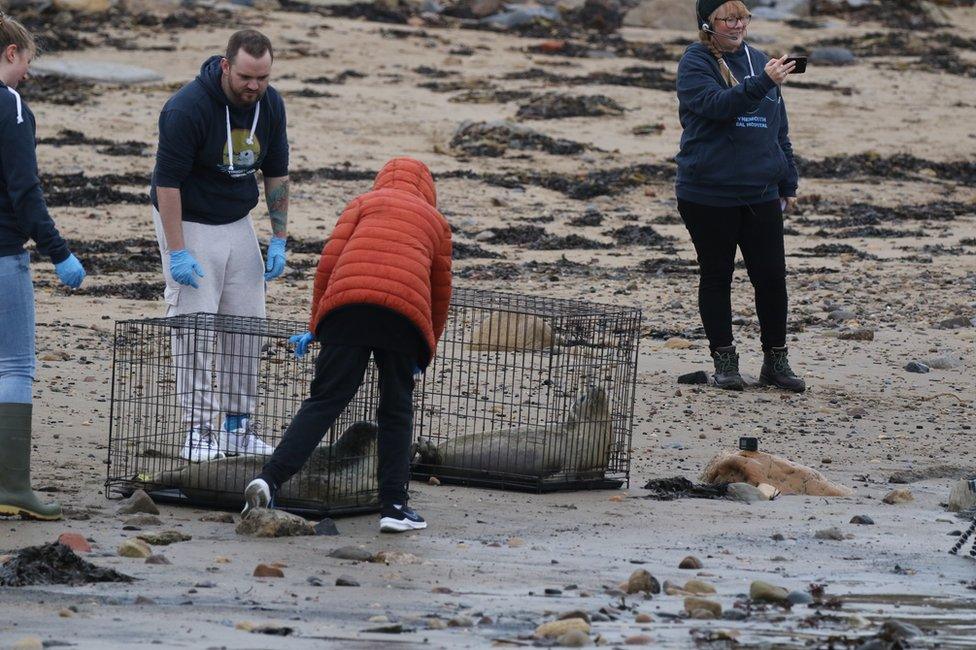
column 174, row 374
column 525, row 393
column 529, row 393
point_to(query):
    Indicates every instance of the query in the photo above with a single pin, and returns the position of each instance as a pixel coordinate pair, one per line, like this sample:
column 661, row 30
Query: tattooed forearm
column 276, row 190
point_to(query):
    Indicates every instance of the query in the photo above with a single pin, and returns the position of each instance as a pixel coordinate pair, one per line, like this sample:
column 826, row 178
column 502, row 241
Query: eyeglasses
column 731, row 21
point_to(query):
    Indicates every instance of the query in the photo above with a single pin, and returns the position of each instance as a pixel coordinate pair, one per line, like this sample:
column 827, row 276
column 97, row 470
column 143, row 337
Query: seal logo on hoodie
column 246, row 155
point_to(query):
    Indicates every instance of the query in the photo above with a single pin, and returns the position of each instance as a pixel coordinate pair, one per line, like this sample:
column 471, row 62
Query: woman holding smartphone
column 736, row 177
column 23, row 216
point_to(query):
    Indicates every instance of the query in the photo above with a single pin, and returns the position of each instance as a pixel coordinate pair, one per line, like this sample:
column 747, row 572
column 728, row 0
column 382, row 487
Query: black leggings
column 757, row 230
column 339, row 371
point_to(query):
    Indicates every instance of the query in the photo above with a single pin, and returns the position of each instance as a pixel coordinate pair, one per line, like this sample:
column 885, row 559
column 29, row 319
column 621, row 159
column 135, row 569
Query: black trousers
column 339, row 371
column 757, row 230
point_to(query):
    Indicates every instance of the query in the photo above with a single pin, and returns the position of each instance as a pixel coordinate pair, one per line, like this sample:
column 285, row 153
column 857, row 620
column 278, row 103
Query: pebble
column 799, row 598
column 734, row 615
column 829, row 533
column 354, row 553
column 898, row 496
column 326, row 527
column 745, row 493
column 841, row 314
column 345, row 581
column 694, row 604
column 135, row 548
column 138, row 502
column 461, row 621
column 436, row 624
column 516, row 542
column 75, row 542
column 142, row 520
column 863, row 520
column 265, row 522
column 858, row 334
column 764, row 592
column 556, row 629
column 433, row 480
column 158, row 559
column 638, row 639
column 27, row 643
column 267, row 571
column 690, row 562
column 895, row 630
column 218, row 517
column 165, row 538
column 956, row 322
column 916, row 367
column 643, row 618
column 641, row 580
column 699, row 587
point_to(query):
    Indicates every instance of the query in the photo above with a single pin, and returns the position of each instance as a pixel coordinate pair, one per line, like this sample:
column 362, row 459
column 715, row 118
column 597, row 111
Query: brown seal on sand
column 576, row 448
column 336, row 475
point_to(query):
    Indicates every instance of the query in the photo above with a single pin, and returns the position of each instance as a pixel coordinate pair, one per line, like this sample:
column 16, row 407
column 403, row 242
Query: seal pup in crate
column 576, row 448
column 336, row 475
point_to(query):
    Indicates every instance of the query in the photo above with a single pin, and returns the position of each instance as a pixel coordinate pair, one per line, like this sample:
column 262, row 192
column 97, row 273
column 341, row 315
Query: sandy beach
column 885, row 237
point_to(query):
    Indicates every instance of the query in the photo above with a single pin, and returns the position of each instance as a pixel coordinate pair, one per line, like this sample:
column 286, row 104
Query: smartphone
column 801, row 64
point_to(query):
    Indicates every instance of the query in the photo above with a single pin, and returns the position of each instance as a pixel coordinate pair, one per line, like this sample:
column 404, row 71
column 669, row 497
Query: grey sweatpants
column 233, row 284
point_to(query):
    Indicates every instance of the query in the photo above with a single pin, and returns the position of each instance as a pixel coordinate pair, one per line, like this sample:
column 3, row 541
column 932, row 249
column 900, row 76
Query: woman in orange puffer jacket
column 382, row 288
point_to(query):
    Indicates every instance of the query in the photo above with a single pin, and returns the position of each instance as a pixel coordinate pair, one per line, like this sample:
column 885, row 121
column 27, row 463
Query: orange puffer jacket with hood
column 390, row 248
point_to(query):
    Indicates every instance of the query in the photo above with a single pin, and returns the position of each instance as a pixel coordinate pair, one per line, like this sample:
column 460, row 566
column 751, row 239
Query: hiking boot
column 200, row 446
column 776, row 371
column 257, row 494
column 399, row 519
column 16, row 496
column 727, row 368
column 243, row 438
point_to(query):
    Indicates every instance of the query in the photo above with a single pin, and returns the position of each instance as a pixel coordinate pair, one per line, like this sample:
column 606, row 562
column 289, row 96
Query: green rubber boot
column 16, row 496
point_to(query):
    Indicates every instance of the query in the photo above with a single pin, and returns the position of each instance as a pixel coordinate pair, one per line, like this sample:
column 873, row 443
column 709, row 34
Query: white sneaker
column 201, row 445
column 244, row 440
column 257, row 494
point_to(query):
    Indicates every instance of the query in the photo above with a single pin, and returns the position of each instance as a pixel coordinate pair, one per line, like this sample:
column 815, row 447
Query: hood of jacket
column 209, row 78
column 407, row 175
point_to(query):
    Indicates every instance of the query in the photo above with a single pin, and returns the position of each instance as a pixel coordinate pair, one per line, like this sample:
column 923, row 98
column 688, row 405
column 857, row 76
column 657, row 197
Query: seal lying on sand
column 337, row 475
column 577, row 448
column 758, row 467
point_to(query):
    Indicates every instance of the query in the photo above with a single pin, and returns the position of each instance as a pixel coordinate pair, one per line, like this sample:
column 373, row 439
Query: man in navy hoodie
column 215, row 134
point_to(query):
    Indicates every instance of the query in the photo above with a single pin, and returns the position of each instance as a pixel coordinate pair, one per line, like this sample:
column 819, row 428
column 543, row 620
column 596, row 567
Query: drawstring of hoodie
column 230, row 142
column 20, row 105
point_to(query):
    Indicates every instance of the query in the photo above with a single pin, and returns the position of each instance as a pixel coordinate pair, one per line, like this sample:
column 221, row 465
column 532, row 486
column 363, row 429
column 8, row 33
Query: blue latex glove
column 275, row 265
column 183, row 268
column 70, row 271
column 301, row 341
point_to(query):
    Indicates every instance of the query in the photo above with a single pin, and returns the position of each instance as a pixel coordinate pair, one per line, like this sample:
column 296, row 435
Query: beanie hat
column 704, row 9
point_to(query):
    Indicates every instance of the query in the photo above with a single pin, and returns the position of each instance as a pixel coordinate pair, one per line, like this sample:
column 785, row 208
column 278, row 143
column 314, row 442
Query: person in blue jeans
column 23, row 216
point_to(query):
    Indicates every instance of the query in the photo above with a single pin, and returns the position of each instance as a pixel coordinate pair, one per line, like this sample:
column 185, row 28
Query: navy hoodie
column 23, row 213
column 735, row 146
column 193, row 152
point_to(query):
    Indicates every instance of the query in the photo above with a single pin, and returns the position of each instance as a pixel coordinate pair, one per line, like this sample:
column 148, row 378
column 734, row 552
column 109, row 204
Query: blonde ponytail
column 12, row 32
column 723, row 67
